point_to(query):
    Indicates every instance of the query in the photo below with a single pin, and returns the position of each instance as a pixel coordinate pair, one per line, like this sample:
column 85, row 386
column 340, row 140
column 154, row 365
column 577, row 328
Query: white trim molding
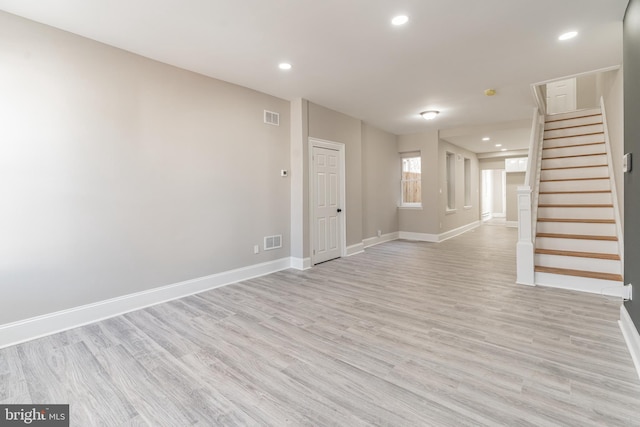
column 458, row 231
column 631, row 336
column 422, row 237
column 372, row 241
column 40, row 326
column 300, row 263
column 358, row 248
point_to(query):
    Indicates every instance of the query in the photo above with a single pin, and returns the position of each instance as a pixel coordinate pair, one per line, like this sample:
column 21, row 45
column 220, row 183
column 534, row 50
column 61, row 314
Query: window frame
column 403, row 181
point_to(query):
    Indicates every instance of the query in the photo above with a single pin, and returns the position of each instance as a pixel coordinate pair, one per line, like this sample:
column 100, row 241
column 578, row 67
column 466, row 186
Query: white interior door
column 561, row 96
column 326, row 205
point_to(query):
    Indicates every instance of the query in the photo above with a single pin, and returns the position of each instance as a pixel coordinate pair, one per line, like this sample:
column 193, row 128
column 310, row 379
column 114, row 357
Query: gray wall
column 462, row 215
column 632, row 145
column 380, row 181
column 586, row 93
column 425, row 220
column 119, row 174
column 514, row 179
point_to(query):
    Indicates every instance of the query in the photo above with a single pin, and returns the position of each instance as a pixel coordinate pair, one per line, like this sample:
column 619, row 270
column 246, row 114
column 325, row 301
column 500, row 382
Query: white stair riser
column 576, row 198
column 579, row 121
column 584, row 284
column 576, row 213
column 572, row 114
column 600, row 159
column 579, row 245
column 582, row 130
column 574, row 151
column 582, row 185
column 589, row 229
column 595, row 172
column 574, row 140
column 579, row 263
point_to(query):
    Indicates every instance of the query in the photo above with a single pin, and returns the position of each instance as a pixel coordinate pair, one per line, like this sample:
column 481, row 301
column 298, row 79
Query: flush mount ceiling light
column 486, row 138
column 489, row 92
column 400, row 20
column 568, row 35
column 498, row 145
column 284, row 66
column 429, row 115
column 504, row 149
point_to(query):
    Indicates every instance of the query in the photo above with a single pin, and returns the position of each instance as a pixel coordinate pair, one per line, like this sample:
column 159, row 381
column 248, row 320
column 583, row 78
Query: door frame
column 340, row 148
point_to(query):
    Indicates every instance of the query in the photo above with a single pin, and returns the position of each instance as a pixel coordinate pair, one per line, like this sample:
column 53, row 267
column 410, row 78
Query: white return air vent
column 271, row 118
column 272, row 242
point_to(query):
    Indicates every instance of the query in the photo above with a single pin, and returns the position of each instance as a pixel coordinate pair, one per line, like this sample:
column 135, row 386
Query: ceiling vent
column 272, row 242
column 271, row 118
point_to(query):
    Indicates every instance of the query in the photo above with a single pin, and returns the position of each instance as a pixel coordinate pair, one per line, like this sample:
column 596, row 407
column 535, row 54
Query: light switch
column 626, row 163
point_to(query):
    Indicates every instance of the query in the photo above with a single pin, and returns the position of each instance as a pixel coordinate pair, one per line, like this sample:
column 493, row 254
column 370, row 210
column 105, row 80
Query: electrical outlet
column 256, row 249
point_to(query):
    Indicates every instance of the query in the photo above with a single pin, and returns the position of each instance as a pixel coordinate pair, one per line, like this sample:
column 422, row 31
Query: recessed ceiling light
column 429, row 115
column 284, row 66
column 498, row 145
column 504, row 149
column 567, row 36
column 400, row 20
column 486, row 138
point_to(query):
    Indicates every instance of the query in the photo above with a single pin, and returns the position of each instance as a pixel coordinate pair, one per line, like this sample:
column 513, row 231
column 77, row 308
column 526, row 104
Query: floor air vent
column 271, row 118
column 272, row 242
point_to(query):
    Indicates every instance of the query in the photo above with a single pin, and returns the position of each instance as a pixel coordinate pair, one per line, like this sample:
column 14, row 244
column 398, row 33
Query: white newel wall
column 527, row 203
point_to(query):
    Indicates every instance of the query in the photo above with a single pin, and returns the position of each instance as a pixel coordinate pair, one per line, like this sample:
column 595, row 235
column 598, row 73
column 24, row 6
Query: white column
column 524, row 249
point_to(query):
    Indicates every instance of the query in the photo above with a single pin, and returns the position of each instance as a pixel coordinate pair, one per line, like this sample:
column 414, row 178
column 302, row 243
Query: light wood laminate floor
column 406, row 334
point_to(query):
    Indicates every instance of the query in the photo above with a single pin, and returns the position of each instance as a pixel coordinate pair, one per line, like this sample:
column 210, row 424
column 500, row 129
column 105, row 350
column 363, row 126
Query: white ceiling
column 347, row 56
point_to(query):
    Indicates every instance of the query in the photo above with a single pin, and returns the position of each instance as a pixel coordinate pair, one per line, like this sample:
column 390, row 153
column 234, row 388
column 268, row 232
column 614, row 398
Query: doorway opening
column 493, row 201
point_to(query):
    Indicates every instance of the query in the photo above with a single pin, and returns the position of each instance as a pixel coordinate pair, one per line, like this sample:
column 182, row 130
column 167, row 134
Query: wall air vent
column 272, row 242
column 271, row 118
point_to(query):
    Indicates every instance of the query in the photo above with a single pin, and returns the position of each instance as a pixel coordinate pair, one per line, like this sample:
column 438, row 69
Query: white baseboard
column 358, row 248
column 422, row 237
column 300, row 263
column 631, row 336
column 513, row 224
column 36, row 327
column 499, row 215
column 436, row 238
column 372, row 241
column 457, row 231
column 582, row 284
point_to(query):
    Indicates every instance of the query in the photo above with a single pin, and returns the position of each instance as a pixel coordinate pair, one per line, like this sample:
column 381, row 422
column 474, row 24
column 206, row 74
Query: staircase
column 576, row 245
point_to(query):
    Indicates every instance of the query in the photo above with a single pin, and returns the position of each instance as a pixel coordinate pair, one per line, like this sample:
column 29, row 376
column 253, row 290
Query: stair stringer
column 614, row 187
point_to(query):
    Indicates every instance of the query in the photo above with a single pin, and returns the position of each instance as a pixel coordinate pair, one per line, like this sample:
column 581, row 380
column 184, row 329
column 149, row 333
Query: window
column 451, row 181
column 411, row 181
column 467, row 182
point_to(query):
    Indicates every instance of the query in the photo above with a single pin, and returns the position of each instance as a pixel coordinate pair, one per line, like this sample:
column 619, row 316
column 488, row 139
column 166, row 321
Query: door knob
column 339, row 210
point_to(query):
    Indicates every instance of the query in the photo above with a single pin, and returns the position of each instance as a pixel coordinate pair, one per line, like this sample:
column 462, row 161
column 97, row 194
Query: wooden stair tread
column 550, row 116
column 575, row 192
column 579, row 273
column 594, row 255
column 572, row 136
column 573, row 156
column 577, row 236
column 574, row 167
column 567, row 205
column 574, row 126
column 574, row 145
column 573, row 179
column 585, row 221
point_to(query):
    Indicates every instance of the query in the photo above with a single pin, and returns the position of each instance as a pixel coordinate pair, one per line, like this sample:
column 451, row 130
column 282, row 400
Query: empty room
column 297, row 212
